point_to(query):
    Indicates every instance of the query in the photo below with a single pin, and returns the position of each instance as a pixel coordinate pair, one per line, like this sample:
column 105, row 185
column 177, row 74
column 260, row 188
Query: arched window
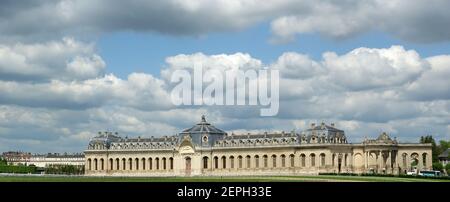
column 111, row 164
column 124, row 163
column 143, row 163
column 95, row 164
column 322, row 159
column 164, row 163
column 313, row 160
column 89, row 163
column 216, row 162
column 231, row 161
column 150, row 163
column 117, row 164
column 157, row 163
column 171, row 163
column 256, row 161
column 102, row 164
column 130, row 164
column 303, row 160
column 205, row 162
column 292, row 159
column 248, row 159
column 274, row 161
column 240, row 161
column 265, row 159
column 136, row 163
column 283, row 160
column 224, row 162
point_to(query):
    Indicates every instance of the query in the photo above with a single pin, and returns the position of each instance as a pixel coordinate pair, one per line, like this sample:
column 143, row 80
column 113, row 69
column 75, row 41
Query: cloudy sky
column 71, row 68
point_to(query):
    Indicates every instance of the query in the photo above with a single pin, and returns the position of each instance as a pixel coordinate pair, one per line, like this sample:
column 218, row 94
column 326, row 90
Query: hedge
column 17, row 169
column 387, row 175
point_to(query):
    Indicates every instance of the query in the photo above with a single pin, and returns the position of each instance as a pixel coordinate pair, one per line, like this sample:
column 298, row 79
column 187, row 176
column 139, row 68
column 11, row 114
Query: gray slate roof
column 203, row 127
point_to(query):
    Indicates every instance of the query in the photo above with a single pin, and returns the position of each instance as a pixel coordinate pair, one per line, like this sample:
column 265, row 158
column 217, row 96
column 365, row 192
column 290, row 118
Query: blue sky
column 127, row 52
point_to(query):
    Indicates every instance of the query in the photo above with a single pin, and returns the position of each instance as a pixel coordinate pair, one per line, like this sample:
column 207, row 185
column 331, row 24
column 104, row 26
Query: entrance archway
column 188, row 166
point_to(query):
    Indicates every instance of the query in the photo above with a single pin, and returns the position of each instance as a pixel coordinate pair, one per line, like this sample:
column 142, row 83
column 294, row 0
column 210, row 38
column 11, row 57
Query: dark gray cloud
column 419, row 21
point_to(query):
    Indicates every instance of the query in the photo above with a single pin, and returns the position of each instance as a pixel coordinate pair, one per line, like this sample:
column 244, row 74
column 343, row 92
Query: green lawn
column 320, row 178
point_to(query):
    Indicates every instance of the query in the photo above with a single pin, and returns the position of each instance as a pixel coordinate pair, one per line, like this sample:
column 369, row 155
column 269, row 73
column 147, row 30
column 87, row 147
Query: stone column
column 380, row 161
column 420, row 162
column 366, row 160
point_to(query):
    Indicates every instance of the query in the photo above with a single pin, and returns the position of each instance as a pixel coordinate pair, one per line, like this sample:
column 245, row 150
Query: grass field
column 320, row 178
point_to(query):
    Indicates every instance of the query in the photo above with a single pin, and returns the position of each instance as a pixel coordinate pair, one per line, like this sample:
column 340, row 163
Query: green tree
column 3, row 161
column 444, row 145
column 438, row 166
column 434, row 148
column 447, row 168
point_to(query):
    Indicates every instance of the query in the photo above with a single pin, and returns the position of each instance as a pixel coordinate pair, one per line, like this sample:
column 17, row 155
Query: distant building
column 43, row 160
column 204, row 150
column 444, row 157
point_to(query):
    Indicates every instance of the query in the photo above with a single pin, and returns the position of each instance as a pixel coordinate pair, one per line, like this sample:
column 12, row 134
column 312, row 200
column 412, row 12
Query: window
column 216, row 162
column 205, row 162
column 248, row 161
column 224, row 162
column 274, row 161
column 231, row 161
column 292, row 159
column 150, row 163
column 157, row 163
column 265, row 161
column 322, row 159
column 283, row 160
column 171, row 163
column 164, row 163
column 137, row 163
column 256, row 161
column 303, row 160
column 240, row 161
column 424, row 159
column 313, row 160
column 89, row 164
column 143, row 163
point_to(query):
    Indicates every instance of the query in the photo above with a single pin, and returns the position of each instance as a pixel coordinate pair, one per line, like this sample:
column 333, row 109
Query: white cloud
column 66, row 60
column 433, row 84
column 371, row 68
column 365, row 91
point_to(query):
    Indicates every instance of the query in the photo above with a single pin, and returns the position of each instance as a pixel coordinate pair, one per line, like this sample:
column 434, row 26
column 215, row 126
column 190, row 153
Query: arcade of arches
column 207, row 151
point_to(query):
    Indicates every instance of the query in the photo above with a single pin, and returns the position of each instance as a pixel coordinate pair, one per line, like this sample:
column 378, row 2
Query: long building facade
column 43, row 160
column 204, row 150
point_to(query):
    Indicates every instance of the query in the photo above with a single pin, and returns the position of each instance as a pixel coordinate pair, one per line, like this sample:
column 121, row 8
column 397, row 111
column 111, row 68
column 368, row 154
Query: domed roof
column 203, row 127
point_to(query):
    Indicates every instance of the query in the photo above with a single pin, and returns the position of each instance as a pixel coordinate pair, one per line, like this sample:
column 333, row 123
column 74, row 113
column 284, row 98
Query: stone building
column 204, row 150
column 44, row 160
